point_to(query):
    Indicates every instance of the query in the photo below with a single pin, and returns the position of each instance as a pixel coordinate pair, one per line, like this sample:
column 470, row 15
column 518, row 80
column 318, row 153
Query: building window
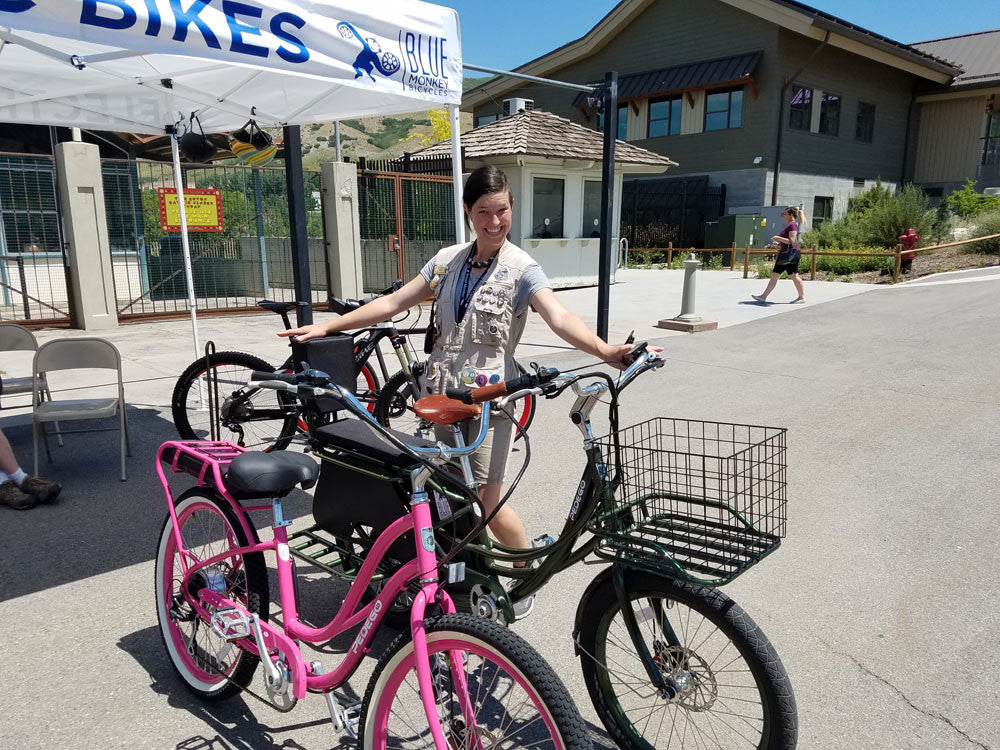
column 829, row 114
column 865, row 128
column 547, row 194
column 822, row 211
column 591, row 209
column 485, row 120
column 622, row 122
column 724, row 109
column 800, row 108
column 664, row 117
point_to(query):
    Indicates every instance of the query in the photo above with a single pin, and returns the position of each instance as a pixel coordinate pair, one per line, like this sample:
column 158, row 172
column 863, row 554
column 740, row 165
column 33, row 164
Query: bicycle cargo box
column 333, row 355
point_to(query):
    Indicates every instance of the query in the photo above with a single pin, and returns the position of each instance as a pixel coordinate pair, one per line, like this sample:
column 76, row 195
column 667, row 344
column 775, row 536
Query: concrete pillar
column 91, row 275
column 342, row 229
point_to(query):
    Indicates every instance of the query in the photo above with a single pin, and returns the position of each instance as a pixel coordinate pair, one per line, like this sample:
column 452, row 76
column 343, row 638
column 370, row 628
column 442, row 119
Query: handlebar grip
column 459, row 394
column 284, row 377
column 487, row 393
column 638, row 349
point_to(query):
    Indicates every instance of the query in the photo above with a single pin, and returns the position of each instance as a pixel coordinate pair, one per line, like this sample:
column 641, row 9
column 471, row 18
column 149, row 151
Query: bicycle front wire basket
column 702, row 501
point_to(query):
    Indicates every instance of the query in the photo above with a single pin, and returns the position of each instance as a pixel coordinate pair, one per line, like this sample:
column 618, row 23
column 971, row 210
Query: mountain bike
column 679, row 508
column 450, row 681
column 264, row 418
column 267, row 419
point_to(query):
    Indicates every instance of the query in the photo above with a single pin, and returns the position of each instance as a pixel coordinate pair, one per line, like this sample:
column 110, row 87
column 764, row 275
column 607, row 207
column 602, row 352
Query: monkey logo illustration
column 371, row 56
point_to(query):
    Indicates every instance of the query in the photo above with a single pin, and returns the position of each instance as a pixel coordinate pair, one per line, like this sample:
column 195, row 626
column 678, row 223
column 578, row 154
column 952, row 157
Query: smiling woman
column 482, row 292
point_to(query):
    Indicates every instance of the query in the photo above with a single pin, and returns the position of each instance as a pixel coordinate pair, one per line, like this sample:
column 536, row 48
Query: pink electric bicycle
column 451, row 681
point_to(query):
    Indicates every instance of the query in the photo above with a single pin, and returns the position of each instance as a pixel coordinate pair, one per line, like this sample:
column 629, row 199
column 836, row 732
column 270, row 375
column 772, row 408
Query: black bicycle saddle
column 279, row 307
column 257, row 474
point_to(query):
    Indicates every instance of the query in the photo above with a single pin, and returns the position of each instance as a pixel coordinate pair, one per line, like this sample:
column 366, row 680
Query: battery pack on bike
column 333, row 355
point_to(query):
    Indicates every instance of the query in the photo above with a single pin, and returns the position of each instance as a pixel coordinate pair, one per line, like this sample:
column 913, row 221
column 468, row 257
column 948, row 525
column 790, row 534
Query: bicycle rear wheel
column 515, row 699
column 255, row 418
column 206, row 663
column 728, row 687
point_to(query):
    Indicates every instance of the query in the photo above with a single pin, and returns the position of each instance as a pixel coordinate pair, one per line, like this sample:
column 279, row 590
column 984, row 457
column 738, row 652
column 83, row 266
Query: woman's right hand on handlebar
column 304, row 333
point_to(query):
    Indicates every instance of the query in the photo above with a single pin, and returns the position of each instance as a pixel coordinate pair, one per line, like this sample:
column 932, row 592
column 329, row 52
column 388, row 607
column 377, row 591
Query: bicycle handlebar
column 343, row 306
column 535, row 382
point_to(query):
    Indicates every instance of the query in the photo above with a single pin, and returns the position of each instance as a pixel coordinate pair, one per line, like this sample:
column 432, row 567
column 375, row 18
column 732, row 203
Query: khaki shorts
column 489, row 463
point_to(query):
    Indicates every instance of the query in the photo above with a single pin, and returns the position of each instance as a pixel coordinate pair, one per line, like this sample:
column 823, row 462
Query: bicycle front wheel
column 491, row 690
column 726, row 685
column 207, row 663
column 255, row 418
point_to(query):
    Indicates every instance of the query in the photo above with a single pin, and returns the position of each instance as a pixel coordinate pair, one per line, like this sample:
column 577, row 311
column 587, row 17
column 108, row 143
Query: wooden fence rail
column 812, row 251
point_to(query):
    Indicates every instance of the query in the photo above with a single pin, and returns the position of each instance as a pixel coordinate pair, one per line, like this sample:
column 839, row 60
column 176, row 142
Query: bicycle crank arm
column 267, row 639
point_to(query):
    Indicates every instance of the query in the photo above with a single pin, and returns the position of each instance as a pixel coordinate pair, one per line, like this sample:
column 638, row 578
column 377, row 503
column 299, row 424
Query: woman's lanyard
column 466, row 295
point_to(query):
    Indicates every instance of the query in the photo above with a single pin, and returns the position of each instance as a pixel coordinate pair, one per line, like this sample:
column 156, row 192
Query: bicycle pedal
column 230, row 624
column 352, row 719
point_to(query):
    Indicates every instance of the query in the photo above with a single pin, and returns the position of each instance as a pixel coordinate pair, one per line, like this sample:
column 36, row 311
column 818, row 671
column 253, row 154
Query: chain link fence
column 405, row 219
column 250, row 259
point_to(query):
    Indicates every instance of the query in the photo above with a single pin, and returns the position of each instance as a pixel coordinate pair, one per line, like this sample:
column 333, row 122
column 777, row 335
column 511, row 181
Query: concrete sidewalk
column 155, row 353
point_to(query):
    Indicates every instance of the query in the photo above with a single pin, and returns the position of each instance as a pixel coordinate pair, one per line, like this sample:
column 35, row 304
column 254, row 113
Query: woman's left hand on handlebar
column 617, row 355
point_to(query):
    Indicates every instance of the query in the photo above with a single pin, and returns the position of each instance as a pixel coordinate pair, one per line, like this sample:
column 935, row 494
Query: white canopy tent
column 145, row 66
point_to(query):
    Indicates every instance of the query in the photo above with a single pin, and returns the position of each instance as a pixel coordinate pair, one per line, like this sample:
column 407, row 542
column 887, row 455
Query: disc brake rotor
column 689, row 675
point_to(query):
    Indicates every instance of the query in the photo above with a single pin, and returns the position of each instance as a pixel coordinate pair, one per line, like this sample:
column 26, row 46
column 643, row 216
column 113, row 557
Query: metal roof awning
column 688, row 77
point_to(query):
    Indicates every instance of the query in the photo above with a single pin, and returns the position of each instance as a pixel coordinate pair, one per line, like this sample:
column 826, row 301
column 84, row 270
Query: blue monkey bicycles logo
column 371, row 57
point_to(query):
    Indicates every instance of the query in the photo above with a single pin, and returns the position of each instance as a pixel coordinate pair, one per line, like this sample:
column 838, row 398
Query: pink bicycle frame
column 214, row 456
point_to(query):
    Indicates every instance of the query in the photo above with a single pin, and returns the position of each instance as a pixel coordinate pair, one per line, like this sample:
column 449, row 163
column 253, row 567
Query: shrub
column 883, row 223
column 715, row 261
column 849, row 264
column 876, row 218
column 966, row 202
column 987, row 223
column 764, row 269
column 844, row 232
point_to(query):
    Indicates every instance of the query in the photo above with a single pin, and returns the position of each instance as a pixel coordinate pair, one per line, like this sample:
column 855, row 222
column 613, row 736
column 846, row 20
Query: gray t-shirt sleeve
column 532, row 280
column 428, row 270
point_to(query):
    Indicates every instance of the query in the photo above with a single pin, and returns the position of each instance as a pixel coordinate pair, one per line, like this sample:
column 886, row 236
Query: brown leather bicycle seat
column 444, row 410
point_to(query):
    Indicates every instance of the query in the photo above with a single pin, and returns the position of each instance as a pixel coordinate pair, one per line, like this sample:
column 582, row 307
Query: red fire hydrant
column 909, row 241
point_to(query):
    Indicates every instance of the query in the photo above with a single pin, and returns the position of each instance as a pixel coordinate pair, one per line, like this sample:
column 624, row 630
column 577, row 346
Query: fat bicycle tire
column 233, row 369
column 736, row 644
column 558, row 719
column 394, row 407
column 246, row 581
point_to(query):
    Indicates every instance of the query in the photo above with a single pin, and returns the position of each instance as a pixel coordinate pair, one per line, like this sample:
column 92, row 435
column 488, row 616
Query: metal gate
column 405, row 220
column 249, row 260
column 33, row 279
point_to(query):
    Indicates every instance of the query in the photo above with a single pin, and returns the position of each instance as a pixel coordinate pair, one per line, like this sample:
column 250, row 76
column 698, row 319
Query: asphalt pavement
column 881, row 601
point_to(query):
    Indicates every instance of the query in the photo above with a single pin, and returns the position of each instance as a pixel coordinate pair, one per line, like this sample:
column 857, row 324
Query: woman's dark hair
column 484, row 181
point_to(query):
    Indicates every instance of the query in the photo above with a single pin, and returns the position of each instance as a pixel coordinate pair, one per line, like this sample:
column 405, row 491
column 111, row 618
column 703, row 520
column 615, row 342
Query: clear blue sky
column 508, row 33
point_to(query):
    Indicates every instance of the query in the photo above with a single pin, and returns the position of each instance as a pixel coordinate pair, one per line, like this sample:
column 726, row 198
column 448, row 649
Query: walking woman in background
column 483, row 290
column 786, row 242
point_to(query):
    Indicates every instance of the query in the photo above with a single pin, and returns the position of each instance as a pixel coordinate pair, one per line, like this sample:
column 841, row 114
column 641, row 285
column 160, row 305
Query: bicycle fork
column 430, row 593
column 652, row 663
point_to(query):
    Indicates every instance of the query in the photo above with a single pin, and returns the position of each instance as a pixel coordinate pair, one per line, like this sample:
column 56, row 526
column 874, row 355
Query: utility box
column 743, row 229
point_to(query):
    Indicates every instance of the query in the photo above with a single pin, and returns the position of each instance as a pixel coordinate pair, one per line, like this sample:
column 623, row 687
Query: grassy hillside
column 373, row 137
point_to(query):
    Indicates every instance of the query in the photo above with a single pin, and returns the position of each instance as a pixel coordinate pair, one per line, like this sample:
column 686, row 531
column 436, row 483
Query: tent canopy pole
column 186, row 249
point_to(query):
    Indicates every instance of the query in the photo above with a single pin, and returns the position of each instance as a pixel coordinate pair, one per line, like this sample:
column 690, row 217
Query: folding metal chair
column 15, row 338
column 75, row 354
